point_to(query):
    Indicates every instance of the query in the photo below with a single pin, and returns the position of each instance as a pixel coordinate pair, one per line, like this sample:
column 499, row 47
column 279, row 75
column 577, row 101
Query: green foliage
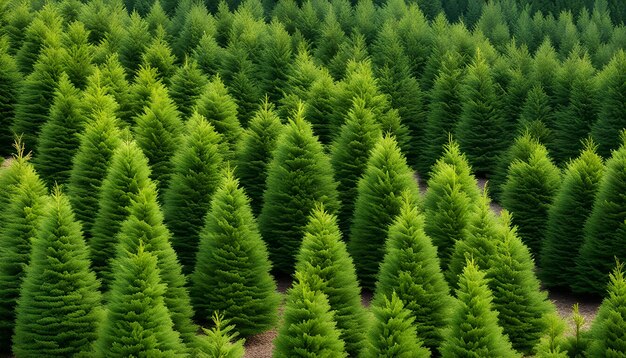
column 298, row 176
column 308, row 328
column 319, row 107
column 78, row 62
column 536, row 117
column 196, row 24
column 275, row 60
column 195, row 176
column 58, row 312
column 41, row 33
column 578, row 343
column 232, row 272
column 410, row 272
column 571, row 207
column 146, row 82
column 114, row 78
column 474, row 329
column 208, row 55
column 254, row 153
column 10, row 82
column 553, row 343
column 323, row 257
column 186, row 86
column 158, row 55
column 219, row 341
column 134, row 43
column 392, row 333
column 379, row 200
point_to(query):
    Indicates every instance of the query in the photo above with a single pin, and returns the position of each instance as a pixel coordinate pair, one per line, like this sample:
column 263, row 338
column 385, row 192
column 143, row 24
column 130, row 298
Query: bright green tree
column 10, row 82
column 158, row 55
column 114, row 78
column 319, row 107
column 276, row 57
column 410, row 270
column 140, row 92
column 197, row 22
column 220, row 341
column 298, row 176
column 134, row 42
column 453, row 156
column 78, row 62
column 571, row 207
column 232, row 272
column 186, row 86
column 378, row 202
column 43, row 31
column 58, row 312
column 196, row 175
column 553, row 343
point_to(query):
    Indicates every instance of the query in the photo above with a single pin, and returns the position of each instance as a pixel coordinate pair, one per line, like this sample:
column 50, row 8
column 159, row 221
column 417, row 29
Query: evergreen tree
column 78, row 62
column 137, row 322
column 536, row 116
column 42, row 32
column 319, row 107
column 158, row 55
column 392, row 334
column 298, row 176
column 186, row 86
column 59, row 138
column 197, row 23
column 349, row 154
column 453, row 156
column 219, row 341
column 196, row 175
column 232, row 272
column 208, row 55
column 127, row 174
column 324, row 255
column 254, row 153
column 146, row 81
column 604, row 229
column 97, row 143
column 158, row 133
column 553, row 344
column 528, row 193
column 355, row 49
column 10, row 83
column 276, row 57
column 474, row 329
column 308, row 329
column 410, row 270
column 58, row 312
column 114, row 78
column 571, row 207
column 378, row 202
column 134, row 42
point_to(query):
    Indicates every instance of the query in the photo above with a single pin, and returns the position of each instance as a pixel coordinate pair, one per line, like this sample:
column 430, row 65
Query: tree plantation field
column 312, row 178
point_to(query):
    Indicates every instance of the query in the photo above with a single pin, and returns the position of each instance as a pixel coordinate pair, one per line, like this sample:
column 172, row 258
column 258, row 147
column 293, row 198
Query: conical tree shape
column 474, row 329
column 220, row 341
column 553, row 344
column 324, row 255
column 127, row 175
column 10, row 82
column 137, row 322
column 114, row 78
column 21, row 217
column 59, row 138
column 308, row 328
column 609, row 327
column 144, row 226
column 319, row 107
column 186, row 86
column 298, row 176
column 537, row 113
column 276, row 58
column 58, row 312
column 146, row 81
column 158, row 55
column 134, row 42
column 43, row 31
column 392, row 333
column 453, row 156
column 158, row 133
column 411, row 270
column 232, row 272
column 378, row 202
column 528, row 193
column 196, row 175
column 97, row 143
column 605, row 229
column 571, row 207
column 80, row 53
column 254, row 153
column 349, row 154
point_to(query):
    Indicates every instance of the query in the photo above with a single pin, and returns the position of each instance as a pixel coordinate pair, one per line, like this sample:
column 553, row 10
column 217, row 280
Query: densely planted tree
column 158, row 55
column 324, row 257
column 410, row 270
column 140, row 92
column 232, row 272
column 114, row 78
column 78, row 62
column 186, row 86
column 570, row 209
column 298, row 176
column 10, row 82
column 136, row 38
column 58, row 312
column 379, row 200
column 536, row 116
column 196, row 175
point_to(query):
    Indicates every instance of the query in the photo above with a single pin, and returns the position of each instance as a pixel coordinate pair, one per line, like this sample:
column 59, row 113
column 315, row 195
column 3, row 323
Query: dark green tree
column 196, row 175
column 571, row 207
column 410, row 270
column 392, row 333
column 78, row 62
column 208, row 55
column 58, row 312
column 114, row 78
column 276, row 58
column 378, row 202
column 197, row 22
column 10, row 83
column 536, row 117
column 134, row 42
column 298, row 176
column 186, row 86
column 44, row 31
column 146, row 81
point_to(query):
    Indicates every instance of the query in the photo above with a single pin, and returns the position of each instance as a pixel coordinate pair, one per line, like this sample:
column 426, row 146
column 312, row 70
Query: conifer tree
column 604, row 229
column 298, row 176
column 97, row 97
column 232, row 272
column 58, row 285
column 324, row 255
column 319, row 107
column 355, row 49
column 480, row 127
column 114, row 79
column 392, row 333
column 78, row 62
column 186, row 86
column 97, row 143
column 553, row 344
column 146, row 81
column 349, row 155
column 240, row 74
column 59, row 138
column 528, row 193
column 571, row 207
column 276, row 57
column 158, row 55
column 43, row 31
column 536, row 117
column 220, row 340
column 144, row 226
column 474, row 329
column 158, row 133
column 254, row 153
column 157, row 18
column 10, row 83
column 378, row 202
column 208, row 55
column 196, row 175
column 410, row 270
column 197, row 23
column 127, row 174
column 134, row 42
column 137, row 321
column 453, row 156
column 300, row 75
column 308, row 329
